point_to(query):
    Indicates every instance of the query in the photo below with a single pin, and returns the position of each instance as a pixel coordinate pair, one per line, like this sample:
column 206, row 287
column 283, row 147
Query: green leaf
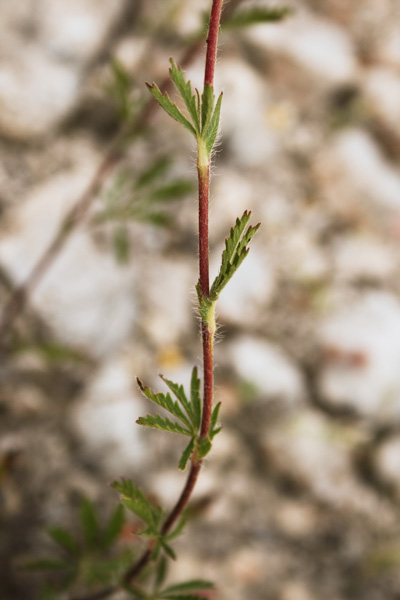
column 165, row 102
column 167, row 549
column 214, row 418
column 89, row 522
column 135, row 501
column 207, row 106
column 235, row 252
column 166, row 402
column 185, row 89
column 195, row 398
column 178, row 529
column 255, row 16
column 210, row 134
column 114, row 527
column 156, row 170
column 46, row 564
column 203, row 447
column 63, row 538
column 119, row 89
column 194, row 585
column 161, row 573
column 186, row 454
column 172, row 191
column 158, row 422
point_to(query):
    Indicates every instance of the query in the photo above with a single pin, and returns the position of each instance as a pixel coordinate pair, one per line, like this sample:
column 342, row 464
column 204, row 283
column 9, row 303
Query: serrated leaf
column 186, row 454
column 135, row 501
column 166, row 402
column 185, row 89
column 166, row 103
column 172, row 191
column 210, row 134
column 156, row 170
column 63, row 538
column 255, row 16
column 195, row 398
column 158, row 422
column 203, row 447
column 214, row 418
column 46, row 564
column 194, row 585
column 207, row 106
column 113, row 527
column 235, row 252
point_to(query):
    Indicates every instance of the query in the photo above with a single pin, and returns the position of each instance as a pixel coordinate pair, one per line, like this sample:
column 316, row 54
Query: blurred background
column 300, row 498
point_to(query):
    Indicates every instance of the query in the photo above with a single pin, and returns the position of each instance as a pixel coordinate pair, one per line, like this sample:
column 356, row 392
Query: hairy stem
column 203, row 170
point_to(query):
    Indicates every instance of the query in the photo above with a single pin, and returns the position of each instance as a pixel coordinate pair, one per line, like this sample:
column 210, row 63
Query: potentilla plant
column 192, row 413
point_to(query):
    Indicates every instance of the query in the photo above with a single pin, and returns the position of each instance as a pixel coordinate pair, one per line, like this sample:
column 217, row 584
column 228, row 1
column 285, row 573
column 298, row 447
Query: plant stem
column 203, row 170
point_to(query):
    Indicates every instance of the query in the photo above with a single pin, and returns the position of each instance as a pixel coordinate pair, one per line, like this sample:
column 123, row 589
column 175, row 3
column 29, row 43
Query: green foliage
column 184, row 589
column 89, row 559
column 203, row 112
column 119, row 89
column 234, row 254
column 135, row 501
column 254, row 16
column 143, row 197
column 188, row 412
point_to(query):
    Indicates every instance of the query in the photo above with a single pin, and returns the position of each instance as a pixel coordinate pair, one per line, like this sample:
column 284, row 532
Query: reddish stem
column 207, row 335
column 212, row 42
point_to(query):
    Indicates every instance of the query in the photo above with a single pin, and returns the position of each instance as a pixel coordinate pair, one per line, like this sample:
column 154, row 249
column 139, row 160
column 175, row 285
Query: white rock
column 244, row 121
column 267, row 367
column 362, row 343
column 382, row 89
column 105, row 416
column 387, row 462
column 356, row 168
column 317, row 454
column 304, row 260
column 85, row 297
column 168, row 284
column 50, row 61
column 319, row 46
column 249, row 291
column 363, row 257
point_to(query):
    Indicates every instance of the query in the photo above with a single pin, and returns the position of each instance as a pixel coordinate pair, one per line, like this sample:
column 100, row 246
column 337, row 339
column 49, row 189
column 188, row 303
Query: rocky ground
column 308, row 360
